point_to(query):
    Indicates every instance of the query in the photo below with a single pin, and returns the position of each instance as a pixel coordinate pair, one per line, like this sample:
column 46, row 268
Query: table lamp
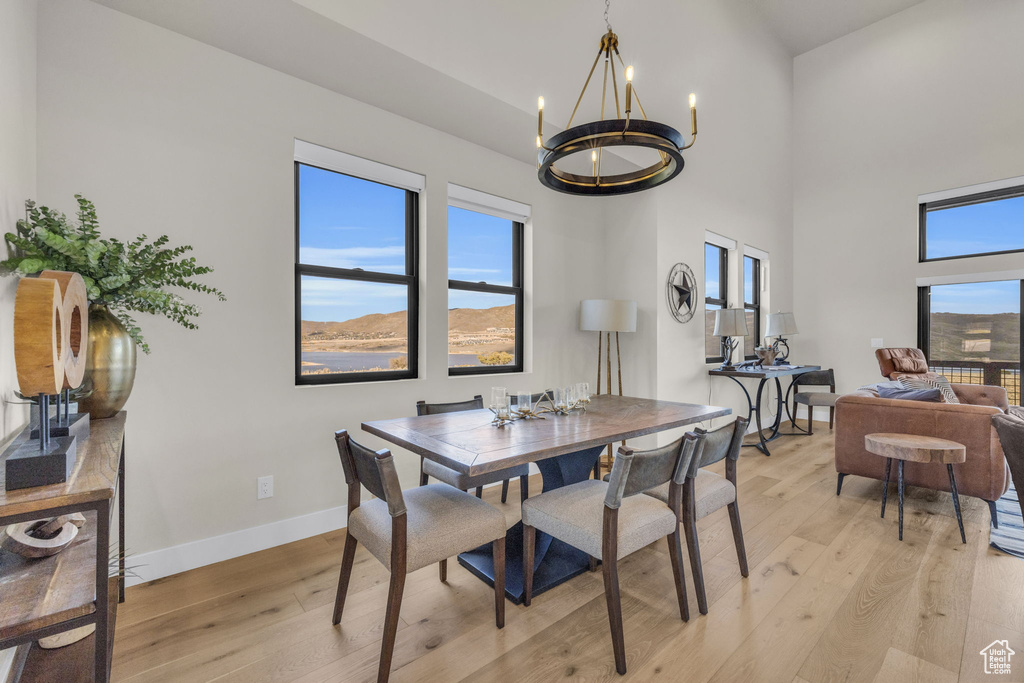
column 729, row 324
column 781, row 325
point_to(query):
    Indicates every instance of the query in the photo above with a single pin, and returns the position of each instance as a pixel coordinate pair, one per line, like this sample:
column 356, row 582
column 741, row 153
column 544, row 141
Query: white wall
column 17, row 175
column 929, row 99
column 736, row 182
column 168, row 135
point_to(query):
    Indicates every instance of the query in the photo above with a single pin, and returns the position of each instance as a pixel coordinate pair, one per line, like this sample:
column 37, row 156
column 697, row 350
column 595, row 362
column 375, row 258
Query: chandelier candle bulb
column 629, row 90
column 693, row 115
column 540, row 120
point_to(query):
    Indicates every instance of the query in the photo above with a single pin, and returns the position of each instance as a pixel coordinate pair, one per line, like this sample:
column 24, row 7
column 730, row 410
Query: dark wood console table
column 764, row 374
column 42, row 597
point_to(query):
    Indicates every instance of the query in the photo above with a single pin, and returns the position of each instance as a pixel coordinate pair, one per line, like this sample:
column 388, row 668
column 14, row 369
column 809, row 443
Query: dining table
column 565, row 448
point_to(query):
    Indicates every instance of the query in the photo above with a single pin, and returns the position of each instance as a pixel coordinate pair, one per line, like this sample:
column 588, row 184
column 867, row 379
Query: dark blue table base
column 555, row 562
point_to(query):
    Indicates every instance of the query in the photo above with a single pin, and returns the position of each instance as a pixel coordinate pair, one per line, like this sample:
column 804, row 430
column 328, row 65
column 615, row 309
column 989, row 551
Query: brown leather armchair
column 984, row 474
column 894, row 362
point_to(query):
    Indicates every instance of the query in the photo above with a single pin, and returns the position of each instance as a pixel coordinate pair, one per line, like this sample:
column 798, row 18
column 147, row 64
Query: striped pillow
column 940, row 383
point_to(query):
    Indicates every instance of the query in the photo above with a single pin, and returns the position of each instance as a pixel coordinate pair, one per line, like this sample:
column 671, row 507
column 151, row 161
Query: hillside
column 960, row 336
column 388, row 325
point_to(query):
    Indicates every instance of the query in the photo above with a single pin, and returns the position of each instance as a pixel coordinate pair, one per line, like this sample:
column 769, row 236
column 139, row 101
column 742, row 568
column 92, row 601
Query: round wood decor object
column 66, row 637
column 915, row 448
column 75, row 301
column 17, row 538
column 39, row 336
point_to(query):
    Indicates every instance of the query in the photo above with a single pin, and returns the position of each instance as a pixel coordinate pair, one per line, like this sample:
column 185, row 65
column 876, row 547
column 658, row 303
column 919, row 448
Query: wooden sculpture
column 50, row 342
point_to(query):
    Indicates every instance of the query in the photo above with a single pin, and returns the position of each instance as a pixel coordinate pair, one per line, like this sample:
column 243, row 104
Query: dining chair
column 823, row 399
column 629, row 522
column 410, row 530
column 464, row 482
column 705, row 492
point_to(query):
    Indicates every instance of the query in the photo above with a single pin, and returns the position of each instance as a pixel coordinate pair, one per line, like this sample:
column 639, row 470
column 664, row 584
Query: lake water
column 355, row 361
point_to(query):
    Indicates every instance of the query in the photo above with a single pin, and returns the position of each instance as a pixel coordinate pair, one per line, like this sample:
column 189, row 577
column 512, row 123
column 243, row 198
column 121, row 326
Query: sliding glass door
column 971, row 332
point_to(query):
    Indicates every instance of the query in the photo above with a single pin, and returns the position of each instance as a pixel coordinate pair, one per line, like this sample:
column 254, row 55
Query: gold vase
column 109, row 367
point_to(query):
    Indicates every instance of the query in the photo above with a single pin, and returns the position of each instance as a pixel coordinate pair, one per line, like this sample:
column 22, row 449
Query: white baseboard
column 180, row 558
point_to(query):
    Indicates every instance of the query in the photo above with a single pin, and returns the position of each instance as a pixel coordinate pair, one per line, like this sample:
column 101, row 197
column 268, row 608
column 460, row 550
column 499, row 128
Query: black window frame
column 978, row 198
column 410, row 279
column 755, row 305
column 516, row 289
column 723, row 289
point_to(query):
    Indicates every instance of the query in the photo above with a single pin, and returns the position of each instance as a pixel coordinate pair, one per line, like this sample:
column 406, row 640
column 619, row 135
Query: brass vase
column 109, row 367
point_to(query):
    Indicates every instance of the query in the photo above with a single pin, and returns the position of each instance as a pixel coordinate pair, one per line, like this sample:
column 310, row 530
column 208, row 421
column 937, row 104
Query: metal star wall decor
column 681, row 292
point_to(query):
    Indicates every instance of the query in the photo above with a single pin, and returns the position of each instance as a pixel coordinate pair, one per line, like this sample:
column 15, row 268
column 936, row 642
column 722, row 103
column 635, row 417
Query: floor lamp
column 605, row 316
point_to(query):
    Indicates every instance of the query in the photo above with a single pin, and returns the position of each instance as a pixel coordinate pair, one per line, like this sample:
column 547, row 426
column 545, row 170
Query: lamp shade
column 608, row 315
column 730, row 322
column 781, row 325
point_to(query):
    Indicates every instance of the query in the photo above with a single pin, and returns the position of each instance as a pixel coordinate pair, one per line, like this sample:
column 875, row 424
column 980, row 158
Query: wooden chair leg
column 737, row 537
column 498, row 556
column 524, row 487
column 831, row 418
column 675, row 551
column 423, row 475
column 529, row 542
column 346, row 573
column 810, row 419
column 442, row 570
column 479, row 491
column 387, row 647
column 504, row 490
column 693, row 547
column 593, row 563
column 614, row 600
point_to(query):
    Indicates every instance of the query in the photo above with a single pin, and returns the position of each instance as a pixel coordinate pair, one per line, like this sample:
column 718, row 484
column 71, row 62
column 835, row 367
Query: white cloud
column 353, row 257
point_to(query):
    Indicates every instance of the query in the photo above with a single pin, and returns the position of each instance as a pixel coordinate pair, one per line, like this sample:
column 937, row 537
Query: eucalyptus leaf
column 137, row 276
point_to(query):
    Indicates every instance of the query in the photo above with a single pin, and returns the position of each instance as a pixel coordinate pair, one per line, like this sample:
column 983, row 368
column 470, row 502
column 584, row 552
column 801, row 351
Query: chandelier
column 617, row 132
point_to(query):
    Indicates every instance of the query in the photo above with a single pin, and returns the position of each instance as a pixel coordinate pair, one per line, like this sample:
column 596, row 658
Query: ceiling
column 803, row 25
column 474, row 67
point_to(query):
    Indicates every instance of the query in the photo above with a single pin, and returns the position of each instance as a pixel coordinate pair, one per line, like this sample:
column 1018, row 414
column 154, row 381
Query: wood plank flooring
column 832, row 596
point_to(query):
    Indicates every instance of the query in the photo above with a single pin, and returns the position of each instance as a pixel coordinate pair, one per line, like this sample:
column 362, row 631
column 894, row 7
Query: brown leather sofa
column 894, row 363
column 984, row 474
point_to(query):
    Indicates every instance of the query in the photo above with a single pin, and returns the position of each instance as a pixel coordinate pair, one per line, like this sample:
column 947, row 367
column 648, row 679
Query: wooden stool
column 924, row 449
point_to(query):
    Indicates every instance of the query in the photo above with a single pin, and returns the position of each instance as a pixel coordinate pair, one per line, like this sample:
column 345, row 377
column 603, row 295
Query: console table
column 42, row 597
column 754, row 408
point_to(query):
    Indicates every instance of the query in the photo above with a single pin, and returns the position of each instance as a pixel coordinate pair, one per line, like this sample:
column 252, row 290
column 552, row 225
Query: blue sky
column 348, row 222
column 977, row 297
column 976, row 228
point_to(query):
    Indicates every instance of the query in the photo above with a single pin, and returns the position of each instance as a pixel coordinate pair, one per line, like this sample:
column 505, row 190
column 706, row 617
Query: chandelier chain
column 607, row 6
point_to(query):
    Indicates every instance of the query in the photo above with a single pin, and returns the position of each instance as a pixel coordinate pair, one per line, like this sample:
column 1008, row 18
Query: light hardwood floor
column 832, row 596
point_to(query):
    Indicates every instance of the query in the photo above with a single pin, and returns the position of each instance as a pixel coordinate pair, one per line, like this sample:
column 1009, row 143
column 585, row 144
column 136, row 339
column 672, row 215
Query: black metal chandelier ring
column 612, row 133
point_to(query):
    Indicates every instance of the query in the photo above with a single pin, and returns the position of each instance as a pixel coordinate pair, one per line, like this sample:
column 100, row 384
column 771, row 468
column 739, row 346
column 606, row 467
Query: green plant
column 495, row 358
column 124, row 276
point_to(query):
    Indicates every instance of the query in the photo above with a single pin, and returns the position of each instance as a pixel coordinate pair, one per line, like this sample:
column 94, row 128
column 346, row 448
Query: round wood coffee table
column 915, row 448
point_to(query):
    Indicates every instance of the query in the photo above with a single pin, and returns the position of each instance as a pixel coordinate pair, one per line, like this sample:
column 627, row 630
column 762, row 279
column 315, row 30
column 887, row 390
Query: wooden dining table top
column 467, row 442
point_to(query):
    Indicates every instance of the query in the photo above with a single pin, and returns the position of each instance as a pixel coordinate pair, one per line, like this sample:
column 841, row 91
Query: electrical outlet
column 877, row 343
column 265, row 487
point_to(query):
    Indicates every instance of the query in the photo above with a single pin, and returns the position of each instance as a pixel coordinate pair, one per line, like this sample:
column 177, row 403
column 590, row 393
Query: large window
column 978, row 224
column 971, row 332
column 752, row 304
column 485, row 291
column 716, row 297
column 356, row 293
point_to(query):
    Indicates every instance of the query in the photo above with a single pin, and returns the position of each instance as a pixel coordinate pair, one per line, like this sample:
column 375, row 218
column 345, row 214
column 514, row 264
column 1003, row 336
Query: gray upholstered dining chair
column 629, row 522
column 821, row 399
column 409, row 530
column 705, row 492
column 464, row 482
column 1010, row 428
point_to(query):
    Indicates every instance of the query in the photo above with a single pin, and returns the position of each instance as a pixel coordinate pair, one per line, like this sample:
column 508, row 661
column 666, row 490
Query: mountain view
column 378, row 341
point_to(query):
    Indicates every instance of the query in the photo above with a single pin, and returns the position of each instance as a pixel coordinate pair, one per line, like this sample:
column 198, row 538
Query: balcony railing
column 993, row 373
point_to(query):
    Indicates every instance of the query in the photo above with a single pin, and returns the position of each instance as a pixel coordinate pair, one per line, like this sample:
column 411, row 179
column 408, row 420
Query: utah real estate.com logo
column 997, row 657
